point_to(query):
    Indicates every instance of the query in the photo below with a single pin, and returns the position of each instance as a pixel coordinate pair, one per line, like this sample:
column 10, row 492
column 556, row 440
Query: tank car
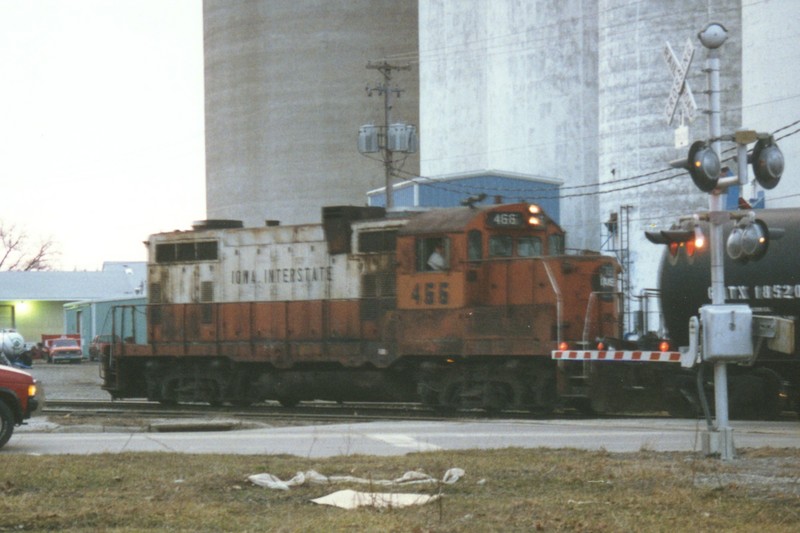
column 452, row 307
column 770, row 285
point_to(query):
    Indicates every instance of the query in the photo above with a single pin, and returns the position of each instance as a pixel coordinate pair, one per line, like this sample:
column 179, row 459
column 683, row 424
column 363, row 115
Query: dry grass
column 504, row 490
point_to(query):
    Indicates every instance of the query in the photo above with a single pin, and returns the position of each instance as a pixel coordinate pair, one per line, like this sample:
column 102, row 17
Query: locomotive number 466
column 430, row 293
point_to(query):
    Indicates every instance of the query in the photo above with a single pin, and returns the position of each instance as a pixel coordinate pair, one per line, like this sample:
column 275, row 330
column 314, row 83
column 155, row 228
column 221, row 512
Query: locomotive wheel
column 496, row 397
column 288, row 401
column 429, row 397
column 168, row 396
column 450, row 396
column 545, row 396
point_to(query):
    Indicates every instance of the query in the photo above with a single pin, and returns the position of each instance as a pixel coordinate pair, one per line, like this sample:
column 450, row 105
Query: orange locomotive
column 452, row 307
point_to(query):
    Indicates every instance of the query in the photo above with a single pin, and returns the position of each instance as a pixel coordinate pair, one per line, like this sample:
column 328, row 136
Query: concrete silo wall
column 285, row 97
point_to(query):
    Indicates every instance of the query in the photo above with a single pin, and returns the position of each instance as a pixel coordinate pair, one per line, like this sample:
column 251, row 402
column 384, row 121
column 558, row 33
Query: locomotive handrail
column 559, row 300
column 589, row 305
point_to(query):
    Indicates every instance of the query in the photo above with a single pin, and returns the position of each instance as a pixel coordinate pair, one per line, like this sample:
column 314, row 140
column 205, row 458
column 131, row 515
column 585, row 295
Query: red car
column 17, row 400
column 64, row 350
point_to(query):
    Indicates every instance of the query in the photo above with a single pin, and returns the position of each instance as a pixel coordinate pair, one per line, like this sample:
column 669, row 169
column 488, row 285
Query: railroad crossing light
column 689, row 239
column 703, row 166
column 749, row 240
column 767, row 161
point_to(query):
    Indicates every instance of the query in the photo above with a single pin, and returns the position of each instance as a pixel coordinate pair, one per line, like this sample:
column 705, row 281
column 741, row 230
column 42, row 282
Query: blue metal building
column 451, row 191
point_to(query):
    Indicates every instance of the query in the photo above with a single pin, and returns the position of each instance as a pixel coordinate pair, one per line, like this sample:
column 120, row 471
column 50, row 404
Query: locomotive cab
column 442, row 256
column 483, row 294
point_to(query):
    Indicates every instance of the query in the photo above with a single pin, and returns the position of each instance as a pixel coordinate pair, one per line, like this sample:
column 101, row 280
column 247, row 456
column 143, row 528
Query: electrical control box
column 727, row 332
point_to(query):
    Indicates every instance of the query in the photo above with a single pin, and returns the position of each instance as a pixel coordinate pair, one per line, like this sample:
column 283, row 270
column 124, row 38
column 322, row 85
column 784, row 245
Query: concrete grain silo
column 511, row 87
column 285, row 96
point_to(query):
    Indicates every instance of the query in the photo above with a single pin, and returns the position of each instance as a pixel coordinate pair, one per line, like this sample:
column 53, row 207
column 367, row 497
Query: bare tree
column 17, row 254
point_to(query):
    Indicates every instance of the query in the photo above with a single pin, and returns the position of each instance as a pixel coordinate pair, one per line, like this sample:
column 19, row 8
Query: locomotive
column 451, row 307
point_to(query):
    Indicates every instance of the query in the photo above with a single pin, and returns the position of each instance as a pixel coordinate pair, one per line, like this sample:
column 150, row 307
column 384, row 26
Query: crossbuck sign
column 680, row 93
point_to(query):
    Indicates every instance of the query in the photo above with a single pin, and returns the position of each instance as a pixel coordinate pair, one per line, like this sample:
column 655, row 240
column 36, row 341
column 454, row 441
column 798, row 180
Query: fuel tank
column 11, row 343
column 770, row 284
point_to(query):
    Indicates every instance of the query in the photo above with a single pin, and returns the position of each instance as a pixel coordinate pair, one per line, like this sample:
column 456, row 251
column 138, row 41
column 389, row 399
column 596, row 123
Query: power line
column 459, row 188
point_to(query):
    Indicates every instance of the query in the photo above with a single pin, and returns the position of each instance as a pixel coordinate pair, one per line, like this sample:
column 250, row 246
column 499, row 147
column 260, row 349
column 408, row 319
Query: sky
column 101, row 124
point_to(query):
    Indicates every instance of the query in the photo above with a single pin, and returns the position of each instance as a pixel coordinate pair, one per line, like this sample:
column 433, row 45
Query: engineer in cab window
column 437, row 261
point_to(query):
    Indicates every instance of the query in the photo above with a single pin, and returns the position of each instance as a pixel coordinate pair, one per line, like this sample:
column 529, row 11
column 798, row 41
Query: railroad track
column 153, row 416
column 312, row 412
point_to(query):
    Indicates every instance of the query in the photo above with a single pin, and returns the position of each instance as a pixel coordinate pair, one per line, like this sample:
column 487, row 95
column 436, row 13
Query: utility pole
column 389, row 144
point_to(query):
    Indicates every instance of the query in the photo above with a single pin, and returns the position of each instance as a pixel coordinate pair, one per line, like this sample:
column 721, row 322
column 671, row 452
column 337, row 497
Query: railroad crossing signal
column 680, row 93
column 749, row 239
column 703, row 165
column 767, row 161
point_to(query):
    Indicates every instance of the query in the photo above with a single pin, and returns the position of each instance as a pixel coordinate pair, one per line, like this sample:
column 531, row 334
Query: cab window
column 433, row 254
column 529, row 247
column 555, row 244
column 500, row 246
column 474, row 245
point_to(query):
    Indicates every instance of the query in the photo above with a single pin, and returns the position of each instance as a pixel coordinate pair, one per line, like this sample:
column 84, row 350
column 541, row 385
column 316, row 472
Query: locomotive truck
column 353, row 309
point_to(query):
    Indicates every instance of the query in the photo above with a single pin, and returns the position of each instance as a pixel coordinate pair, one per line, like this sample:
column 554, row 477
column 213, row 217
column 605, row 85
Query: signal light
column 749, row 239
column 663, row 346
column 699, row 238
column 768, row 163
column 703, row 165
column 692, row 239
column 563, row 346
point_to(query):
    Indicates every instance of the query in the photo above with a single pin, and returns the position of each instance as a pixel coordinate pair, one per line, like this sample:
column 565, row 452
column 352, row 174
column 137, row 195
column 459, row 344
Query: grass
column 503, row 490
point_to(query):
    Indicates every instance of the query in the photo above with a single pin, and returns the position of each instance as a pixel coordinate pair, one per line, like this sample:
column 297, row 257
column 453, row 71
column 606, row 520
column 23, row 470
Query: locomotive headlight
column 534, row 218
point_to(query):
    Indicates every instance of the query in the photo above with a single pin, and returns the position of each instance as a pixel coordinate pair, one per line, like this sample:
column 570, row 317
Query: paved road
column 396, row 438
column 376, row 438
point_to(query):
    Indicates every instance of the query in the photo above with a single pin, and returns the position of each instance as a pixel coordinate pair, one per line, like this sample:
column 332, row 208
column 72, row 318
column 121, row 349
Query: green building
column 47, row 302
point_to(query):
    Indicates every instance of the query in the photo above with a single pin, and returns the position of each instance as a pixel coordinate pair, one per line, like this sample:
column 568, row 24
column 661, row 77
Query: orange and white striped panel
column 603, row 355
